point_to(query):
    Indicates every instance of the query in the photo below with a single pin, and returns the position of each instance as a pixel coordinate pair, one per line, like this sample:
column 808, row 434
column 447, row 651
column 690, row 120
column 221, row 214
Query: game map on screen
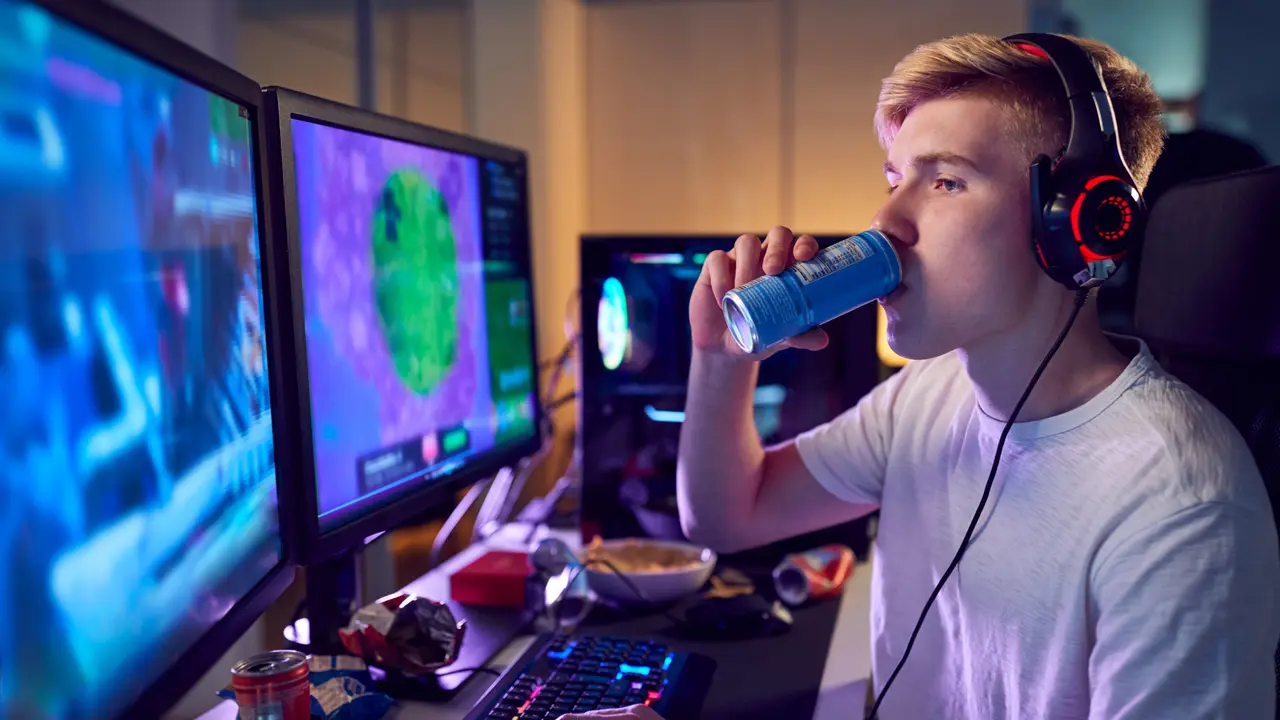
column 137, row 481
column 416, row 294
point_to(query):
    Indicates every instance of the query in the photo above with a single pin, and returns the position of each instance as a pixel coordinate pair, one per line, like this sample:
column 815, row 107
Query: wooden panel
column 683, row 116
column 843, row 49
column 311, row 55
column 420, row 59
column 437, row 66
column 527, row 89
column 561, row 169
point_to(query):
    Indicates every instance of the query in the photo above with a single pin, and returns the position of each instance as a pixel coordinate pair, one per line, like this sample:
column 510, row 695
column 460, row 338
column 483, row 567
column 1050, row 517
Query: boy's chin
column 912, row 346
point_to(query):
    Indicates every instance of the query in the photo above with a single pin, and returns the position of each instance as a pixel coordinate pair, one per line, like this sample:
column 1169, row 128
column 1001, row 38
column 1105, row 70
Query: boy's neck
column 1000, row 367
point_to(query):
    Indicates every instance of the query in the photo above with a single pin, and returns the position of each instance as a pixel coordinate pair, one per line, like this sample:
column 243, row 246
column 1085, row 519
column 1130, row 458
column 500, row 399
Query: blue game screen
column 137, row 472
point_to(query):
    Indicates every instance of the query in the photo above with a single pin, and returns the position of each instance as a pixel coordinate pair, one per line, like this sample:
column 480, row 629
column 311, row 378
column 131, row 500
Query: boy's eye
column 948, row 185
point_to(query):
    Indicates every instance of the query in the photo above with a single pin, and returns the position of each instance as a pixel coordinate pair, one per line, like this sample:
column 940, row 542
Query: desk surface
column 844, row 673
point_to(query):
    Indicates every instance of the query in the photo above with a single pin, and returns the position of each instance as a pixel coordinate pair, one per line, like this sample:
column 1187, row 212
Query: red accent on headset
column 1075, row 218
column 1094, row 182
column 1075, row 209
column 1125, row 209
column 1091, row 256
column 1028, row 47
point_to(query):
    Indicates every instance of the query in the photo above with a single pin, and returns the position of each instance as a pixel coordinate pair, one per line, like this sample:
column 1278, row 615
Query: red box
column 495, row 579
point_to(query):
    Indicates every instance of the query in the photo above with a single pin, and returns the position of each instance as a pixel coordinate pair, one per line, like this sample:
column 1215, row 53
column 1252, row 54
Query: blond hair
column 1031, row 90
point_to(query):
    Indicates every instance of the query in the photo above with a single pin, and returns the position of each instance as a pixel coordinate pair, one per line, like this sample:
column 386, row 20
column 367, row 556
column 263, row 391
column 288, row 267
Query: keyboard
column 560, row 674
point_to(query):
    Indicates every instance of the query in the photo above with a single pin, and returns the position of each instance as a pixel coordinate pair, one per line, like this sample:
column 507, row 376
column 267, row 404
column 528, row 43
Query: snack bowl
column 661, row 571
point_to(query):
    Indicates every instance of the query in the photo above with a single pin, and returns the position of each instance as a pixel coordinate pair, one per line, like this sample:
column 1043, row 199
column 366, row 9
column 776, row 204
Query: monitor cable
column 455, row 518
column 1081, row 297
column 644, row 601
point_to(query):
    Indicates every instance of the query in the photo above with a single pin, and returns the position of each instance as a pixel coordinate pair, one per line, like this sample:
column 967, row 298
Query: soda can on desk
column 840, row 278
column 815, row 574
column 273, row 685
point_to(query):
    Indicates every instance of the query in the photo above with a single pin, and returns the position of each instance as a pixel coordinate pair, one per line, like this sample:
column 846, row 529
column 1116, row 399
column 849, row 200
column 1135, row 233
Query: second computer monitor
column 413, row 309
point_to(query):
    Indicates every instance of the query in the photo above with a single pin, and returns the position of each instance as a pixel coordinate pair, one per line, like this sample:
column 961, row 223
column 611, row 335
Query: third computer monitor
column 634, row 368
column 414, row 337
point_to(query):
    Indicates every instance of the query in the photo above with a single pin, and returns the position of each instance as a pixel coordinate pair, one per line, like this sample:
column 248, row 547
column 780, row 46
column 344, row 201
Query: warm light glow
column 886, row 353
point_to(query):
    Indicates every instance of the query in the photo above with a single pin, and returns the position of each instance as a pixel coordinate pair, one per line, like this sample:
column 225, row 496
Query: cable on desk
column 631, row 586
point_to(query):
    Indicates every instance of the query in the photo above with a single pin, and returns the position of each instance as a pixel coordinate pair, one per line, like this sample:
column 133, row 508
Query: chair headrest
column 1210, row 278
column 1198, row 154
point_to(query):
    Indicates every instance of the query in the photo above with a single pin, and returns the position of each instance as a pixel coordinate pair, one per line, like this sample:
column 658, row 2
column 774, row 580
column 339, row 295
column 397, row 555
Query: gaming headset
column 1085, row 207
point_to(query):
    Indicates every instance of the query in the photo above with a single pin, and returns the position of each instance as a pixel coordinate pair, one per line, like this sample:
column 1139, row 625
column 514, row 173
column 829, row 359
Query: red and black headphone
column 1086, row 209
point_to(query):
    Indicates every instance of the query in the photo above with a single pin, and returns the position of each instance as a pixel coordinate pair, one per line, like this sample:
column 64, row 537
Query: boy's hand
column 722, row 271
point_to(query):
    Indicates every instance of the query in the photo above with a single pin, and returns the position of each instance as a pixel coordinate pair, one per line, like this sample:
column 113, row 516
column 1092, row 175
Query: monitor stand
column 332, row 598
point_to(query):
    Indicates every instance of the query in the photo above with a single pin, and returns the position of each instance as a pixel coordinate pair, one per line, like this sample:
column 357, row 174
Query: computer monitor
column 413, row 310
column 139, row 535
column 413, row 343
column 635, row 354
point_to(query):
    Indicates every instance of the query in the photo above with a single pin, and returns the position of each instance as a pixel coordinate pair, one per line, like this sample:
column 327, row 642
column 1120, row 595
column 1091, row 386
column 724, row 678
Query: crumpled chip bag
column 404, row 633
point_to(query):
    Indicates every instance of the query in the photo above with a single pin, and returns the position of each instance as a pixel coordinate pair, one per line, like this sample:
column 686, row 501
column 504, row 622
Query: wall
column 420, row 50
column 527, row 88
column 207, row 25
column 684, row 115
column 1242, row 92
column 843, row 51
column 1207, row 52
column 732, row 115
column 1167, row 38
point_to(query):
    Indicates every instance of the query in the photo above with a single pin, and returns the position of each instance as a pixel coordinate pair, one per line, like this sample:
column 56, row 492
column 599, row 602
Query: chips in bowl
column 660, row 570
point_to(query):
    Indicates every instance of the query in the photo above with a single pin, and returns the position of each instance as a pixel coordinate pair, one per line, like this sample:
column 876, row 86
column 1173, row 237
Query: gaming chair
column 1208, row 304
column 1195, row 155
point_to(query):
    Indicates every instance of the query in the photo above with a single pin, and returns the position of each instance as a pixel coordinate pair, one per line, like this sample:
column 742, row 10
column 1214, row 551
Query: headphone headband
column 1086, row 205
column 1093, row 120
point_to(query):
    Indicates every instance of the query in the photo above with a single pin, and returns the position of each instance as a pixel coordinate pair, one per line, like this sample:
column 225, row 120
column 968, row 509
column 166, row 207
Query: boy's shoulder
column 1204, row 455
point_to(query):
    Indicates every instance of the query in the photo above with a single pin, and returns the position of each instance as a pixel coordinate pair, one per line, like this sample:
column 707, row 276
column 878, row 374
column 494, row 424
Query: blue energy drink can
column 840, row 278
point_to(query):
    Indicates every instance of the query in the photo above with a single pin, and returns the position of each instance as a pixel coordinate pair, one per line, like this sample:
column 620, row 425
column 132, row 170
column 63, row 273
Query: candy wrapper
column 404, row 633
column 341, row 689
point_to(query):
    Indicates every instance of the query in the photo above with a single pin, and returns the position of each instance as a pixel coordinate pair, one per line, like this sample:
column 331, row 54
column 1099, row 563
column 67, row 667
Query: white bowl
column 657, row 586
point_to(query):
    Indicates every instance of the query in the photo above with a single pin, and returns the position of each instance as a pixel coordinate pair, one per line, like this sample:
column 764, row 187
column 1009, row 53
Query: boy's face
column 958, row 213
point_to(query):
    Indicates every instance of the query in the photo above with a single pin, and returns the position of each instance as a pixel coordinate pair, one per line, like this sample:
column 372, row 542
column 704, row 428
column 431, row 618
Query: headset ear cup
column 1041, row 179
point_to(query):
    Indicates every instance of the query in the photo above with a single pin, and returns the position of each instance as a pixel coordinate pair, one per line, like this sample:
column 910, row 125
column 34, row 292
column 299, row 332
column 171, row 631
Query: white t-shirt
column 1126, row 566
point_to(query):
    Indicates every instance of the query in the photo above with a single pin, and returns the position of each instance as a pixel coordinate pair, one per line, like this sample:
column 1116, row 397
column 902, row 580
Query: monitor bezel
column 309, row 545
column 137, row 37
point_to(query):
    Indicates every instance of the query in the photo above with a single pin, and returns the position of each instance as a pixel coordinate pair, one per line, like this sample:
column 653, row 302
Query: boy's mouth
column 891, row 297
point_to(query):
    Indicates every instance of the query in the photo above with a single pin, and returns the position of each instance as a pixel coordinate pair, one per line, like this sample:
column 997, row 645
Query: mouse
column 740, row 617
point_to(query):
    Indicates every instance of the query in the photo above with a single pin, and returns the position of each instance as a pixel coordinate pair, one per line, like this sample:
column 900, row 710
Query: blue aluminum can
column 839, row 279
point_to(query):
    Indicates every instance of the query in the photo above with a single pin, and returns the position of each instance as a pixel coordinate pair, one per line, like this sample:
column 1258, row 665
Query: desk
column 843, row 684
